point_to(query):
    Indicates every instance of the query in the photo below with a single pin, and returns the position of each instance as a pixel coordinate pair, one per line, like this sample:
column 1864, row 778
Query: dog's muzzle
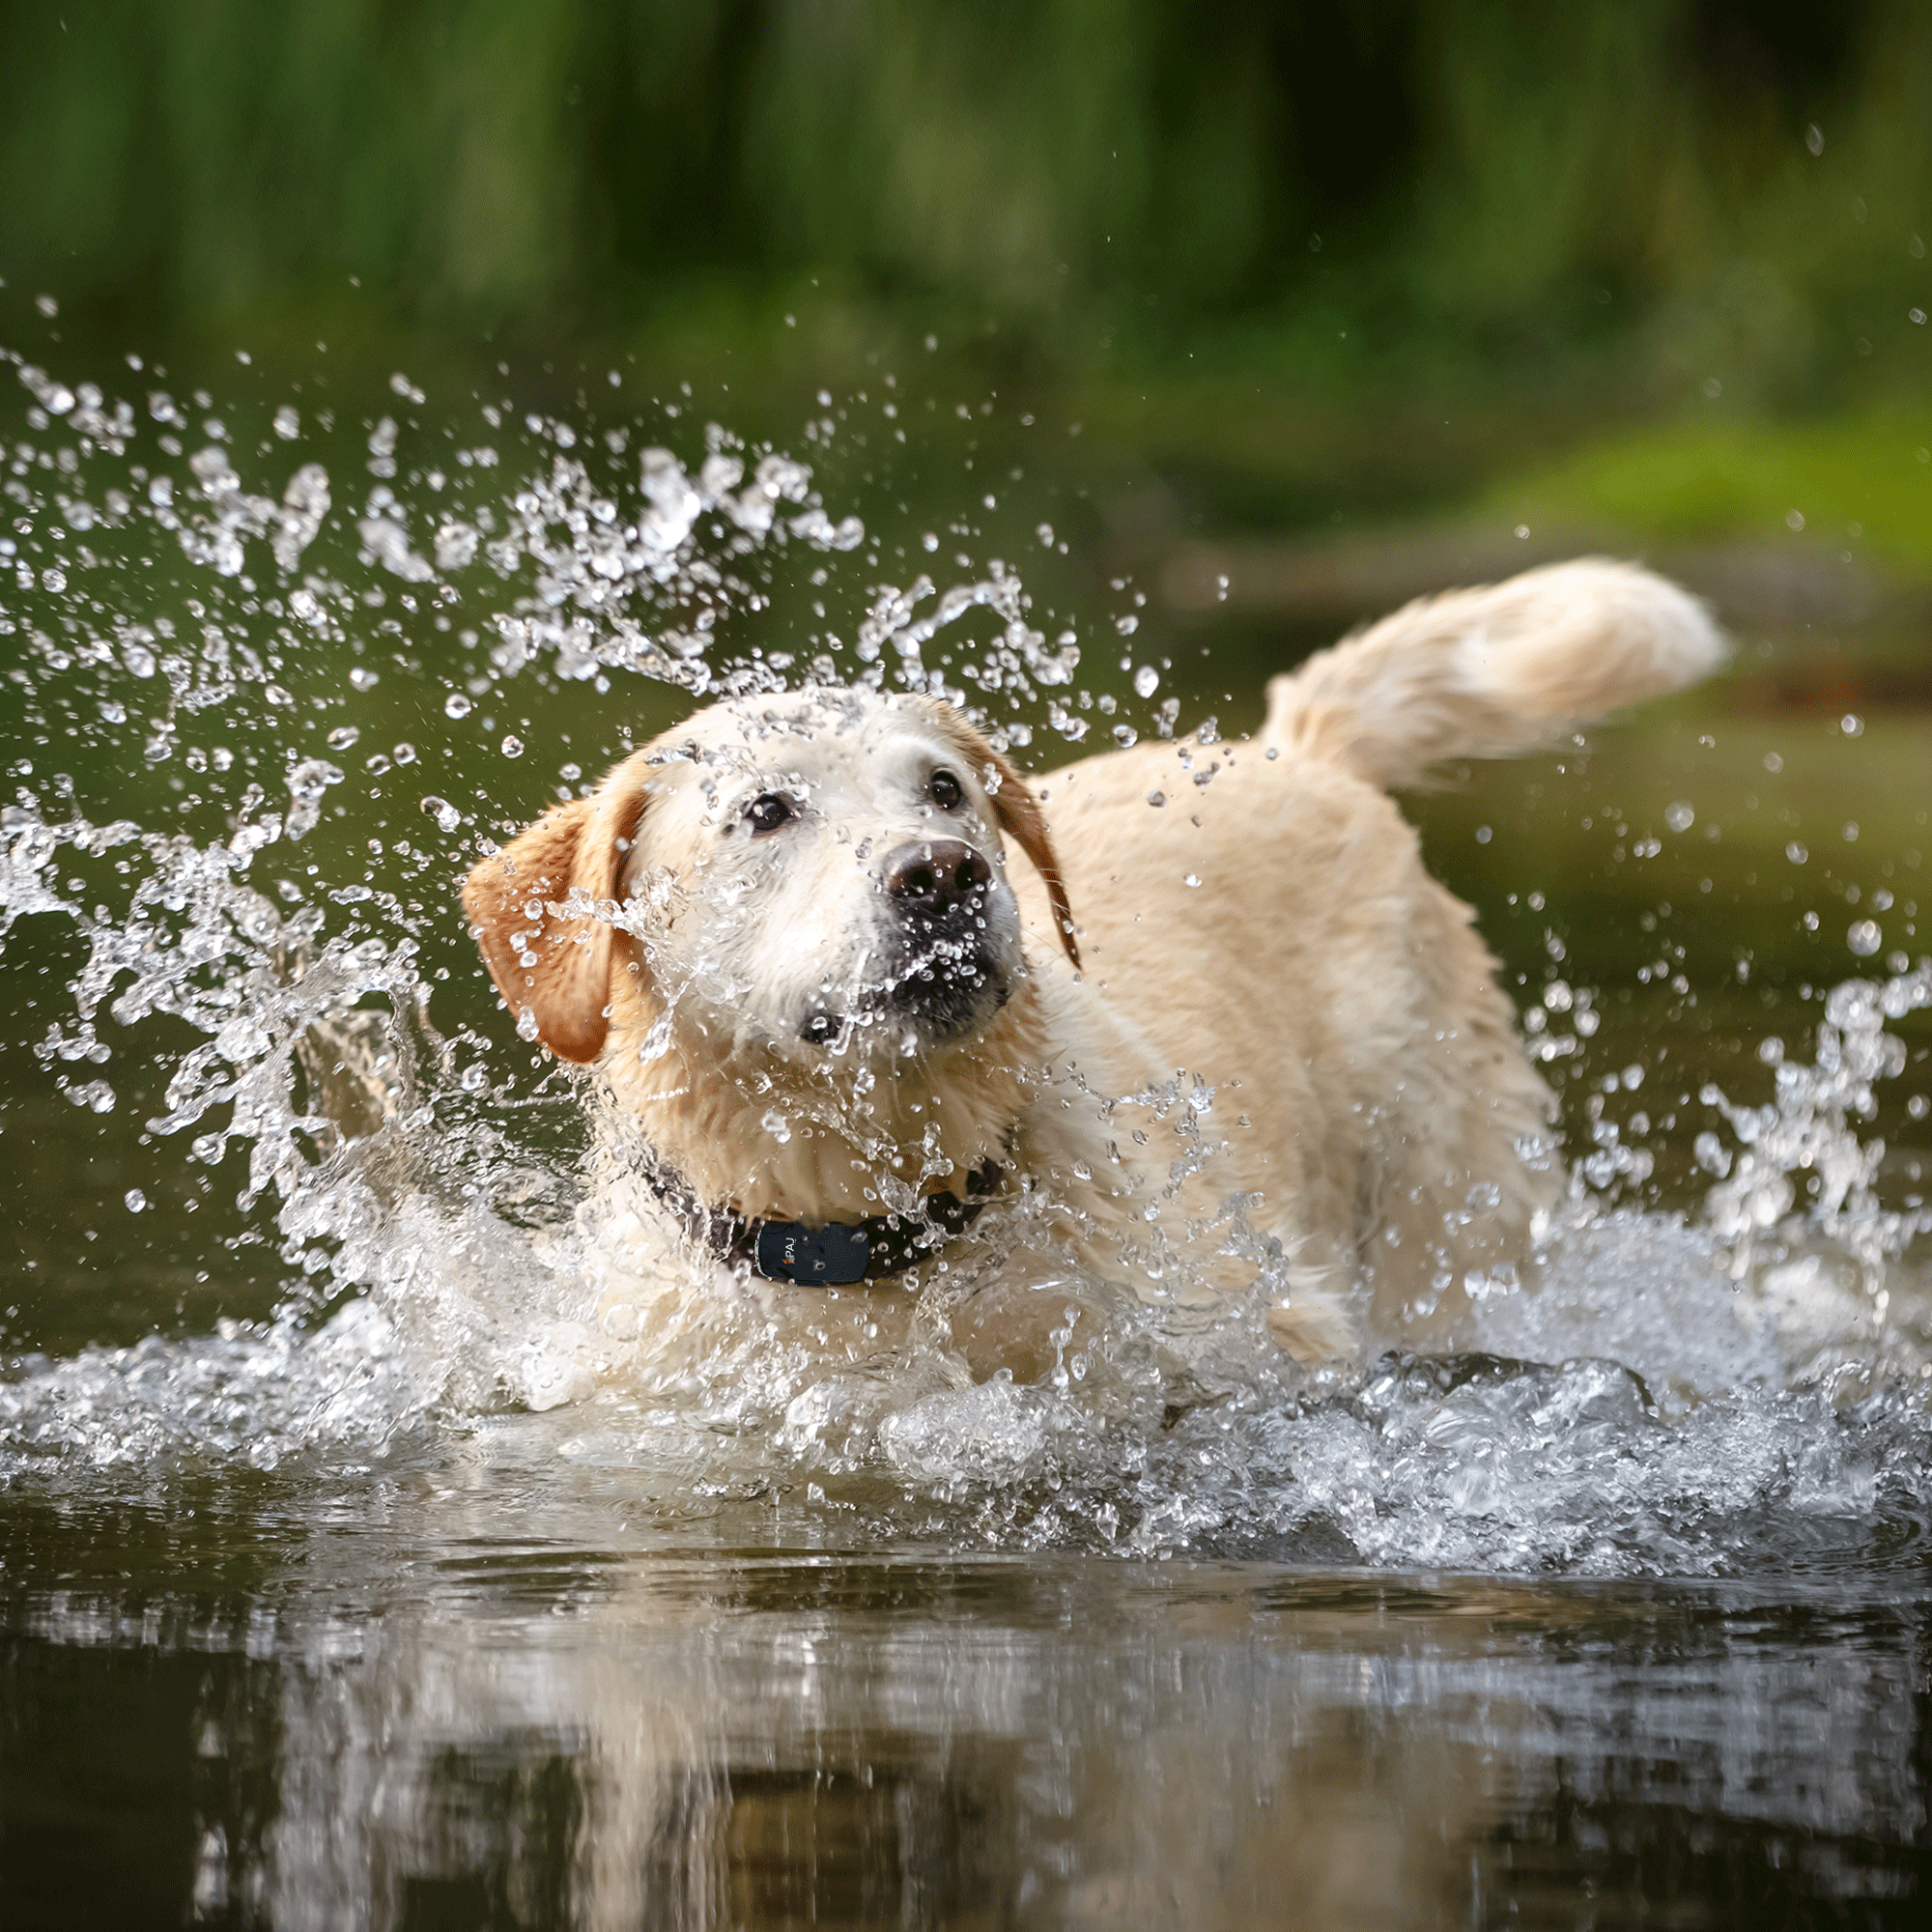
column 946, row 975
column 938, row 883
column 939, row 964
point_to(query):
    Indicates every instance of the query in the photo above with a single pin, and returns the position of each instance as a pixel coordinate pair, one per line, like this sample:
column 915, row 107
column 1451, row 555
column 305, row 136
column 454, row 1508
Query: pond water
column 352, row 1573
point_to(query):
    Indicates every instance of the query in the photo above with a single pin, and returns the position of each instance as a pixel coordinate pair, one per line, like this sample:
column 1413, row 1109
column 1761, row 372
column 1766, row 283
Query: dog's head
column 817, row 874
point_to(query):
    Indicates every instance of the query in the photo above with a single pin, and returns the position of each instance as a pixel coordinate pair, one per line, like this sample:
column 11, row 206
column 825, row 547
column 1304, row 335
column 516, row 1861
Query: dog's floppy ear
column 1018, row 816
column 558, row 968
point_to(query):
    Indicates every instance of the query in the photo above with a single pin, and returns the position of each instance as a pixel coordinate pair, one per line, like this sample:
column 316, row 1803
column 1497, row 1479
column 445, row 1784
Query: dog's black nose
column 936, row 876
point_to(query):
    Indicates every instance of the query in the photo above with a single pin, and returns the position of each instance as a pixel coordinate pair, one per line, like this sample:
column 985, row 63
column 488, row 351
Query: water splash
column 1810, row 1130
column 1675, row 1395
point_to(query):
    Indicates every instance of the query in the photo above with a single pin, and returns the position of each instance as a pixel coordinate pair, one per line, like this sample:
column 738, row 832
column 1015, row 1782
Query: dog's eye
column 768, row 812
column 945, row 790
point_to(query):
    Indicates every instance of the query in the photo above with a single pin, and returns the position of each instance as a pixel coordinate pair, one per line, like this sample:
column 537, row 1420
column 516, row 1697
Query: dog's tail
column 1478, row 674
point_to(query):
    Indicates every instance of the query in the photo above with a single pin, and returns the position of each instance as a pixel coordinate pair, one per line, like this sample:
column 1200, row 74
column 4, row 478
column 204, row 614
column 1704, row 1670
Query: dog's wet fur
column 828, row 952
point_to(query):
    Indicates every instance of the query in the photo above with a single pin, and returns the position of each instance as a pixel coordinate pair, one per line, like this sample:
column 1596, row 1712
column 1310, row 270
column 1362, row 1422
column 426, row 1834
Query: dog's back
column 1260, row 912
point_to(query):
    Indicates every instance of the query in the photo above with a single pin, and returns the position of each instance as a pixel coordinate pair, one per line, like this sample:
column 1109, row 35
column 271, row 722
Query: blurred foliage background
column 1213, row 217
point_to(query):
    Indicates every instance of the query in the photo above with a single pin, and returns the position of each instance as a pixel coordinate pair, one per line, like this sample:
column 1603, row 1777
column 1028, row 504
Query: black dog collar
column 838, row 1254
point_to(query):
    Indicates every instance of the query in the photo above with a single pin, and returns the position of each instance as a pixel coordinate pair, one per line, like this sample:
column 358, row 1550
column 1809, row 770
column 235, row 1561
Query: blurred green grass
column 1863, row 478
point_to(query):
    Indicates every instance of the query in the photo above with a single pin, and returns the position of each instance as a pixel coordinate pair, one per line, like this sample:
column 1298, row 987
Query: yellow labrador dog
column 853, row 987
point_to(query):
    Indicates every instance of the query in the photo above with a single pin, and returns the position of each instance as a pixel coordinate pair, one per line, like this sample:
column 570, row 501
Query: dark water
column 438, row 1699
column 348, row 1576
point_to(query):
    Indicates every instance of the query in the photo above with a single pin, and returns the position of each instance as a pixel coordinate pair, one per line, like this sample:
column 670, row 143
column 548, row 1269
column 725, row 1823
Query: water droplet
column 342, row 737
column 1125, row 735
column 1127, row 625
column 1156, row 798
column 1796, row 853
column 288, row 422
column 448, row 817
column 363, row 678
column 1147, row 681
column 1852, row 725
column 312, row 776
column 1192, row 879
column 1794, row 520
column 455, row 705
column 1680, row 815
column 1864, row 938
column 1713, row 1157
column 513, row 746
column 137, row 1202
column 777, row 1125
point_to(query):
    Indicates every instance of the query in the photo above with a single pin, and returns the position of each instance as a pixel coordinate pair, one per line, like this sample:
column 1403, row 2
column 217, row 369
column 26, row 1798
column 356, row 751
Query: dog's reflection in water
column 947, row 1775
column 708, row 1742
